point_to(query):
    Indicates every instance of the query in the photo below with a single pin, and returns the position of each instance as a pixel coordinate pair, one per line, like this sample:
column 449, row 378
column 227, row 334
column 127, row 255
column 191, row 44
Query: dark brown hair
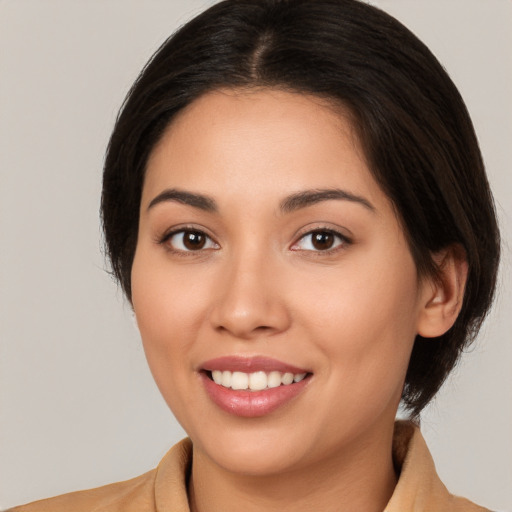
column 412, row 122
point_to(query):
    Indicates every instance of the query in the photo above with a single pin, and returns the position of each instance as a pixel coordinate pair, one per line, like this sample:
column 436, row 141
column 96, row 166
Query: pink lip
column 250, row 364
column 250, row 404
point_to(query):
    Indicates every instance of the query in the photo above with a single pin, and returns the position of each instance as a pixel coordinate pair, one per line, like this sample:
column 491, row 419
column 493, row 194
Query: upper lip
column 250, row 365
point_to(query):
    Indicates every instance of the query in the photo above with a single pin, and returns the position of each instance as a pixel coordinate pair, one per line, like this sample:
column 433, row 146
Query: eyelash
column 341, row 241
column 165, row 239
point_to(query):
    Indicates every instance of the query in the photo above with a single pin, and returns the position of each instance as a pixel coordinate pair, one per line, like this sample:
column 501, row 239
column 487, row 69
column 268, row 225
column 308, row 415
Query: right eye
column 188, row 240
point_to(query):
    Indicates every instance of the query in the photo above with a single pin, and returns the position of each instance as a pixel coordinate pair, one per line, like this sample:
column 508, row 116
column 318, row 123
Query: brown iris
column 322, row 240
column 194, row 240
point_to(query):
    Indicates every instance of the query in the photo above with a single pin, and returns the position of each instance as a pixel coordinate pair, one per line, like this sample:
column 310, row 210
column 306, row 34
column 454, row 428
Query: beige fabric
column 164, row 489
column 419, row 489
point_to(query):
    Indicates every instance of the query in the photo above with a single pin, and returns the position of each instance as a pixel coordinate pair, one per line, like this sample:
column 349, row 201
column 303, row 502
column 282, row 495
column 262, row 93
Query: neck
column 360, row 478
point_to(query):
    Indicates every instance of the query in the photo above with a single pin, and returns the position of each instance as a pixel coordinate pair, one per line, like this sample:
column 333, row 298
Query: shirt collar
column 419, row 488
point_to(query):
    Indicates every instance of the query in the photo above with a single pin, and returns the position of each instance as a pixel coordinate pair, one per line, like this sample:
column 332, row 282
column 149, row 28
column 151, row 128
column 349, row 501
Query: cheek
column 166, row 299
column 165, row 317
column 371, row 324
column 366, row 301
column 168, row 309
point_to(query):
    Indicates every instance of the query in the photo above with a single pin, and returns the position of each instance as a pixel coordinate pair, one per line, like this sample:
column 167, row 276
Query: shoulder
column 131, row 495
column 163, row 488
column 419, row 487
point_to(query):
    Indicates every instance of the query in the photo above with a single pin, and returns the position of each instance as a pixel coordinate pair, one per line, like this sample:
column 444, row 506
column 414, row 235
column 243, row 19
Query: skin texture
column 259, row 287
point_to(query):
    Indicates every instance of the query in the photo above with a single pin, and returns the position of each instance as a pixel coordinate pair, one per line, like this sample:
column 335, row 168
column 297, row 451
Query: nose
column 250, row 300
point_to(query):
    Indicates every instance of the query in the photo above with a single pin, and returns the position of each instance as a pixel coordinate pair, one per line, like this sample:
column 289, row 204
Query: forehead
column 273, row 140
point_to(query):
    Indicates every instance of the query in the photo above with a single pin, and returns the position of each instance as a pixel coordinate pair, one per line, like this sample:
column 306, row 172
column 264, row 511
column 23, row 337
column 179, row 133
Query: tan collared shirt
column 164, row 489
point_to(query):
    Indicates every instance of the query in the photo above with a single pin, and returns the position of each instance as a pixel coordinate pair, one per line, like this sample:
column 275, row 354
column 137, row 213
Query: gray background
column 78, row 407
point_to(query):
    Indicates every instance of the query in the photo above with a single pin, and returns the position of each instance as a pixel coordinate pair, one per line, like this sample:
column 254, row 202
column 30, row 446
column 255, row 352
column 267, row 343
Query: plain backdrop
column 78, row 407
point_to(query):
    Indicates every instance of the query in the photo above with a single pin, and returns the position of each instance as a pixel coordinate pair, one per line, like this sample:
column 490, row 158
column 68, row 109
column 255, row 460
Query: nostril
column 263, row 328
column 244, row 330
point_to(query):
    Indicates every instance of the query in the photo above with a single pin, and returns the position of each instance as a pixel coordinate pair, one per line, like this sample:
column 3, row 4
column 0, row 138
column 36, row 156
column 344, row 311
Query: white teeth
column 226, row 379
column 274, row 379
column 287, row 378
column 256, row 381
column 239, row 380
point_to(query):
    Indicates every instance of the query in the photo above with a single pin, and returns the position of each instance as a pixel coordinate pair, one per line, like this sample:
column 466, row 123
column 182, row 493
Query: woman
column 295, row 205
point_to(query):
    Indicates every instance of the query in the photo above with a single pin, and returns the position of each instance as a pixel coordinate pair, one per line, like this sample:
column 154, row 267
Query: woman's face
column 266, row 249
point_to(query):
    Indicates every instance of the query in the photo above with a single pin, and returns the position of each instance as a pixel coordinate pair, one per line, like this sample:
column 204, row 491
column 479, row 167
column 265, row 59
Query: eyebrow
column 200, row 201
column 310, row 197
column 291, row 203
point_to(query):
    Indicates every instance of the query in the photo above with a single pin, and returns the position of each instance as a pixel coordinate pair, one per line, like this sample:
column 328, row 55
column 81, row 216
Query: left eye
column 190, row 240
column 319, row 240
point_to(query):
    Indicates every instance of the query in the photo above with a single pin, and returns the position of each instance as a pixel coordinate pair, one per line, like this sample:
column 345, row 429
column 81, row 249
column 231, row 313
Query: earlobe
column 443, row 294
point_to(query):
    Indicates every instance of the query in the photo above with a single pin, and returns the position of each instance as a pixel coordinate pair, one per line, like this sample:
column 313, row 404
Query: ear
column 442, row 295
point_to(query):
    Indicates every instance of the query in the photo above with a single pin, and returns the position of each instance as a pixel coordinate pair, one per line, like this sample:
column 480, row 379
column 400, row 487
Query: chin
column 252, row 452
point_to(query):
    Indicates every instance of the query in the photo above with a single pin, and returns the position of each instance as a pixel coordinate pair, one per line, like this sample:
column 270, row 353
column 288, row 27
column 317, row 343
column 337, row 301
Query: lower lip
column 252, row 404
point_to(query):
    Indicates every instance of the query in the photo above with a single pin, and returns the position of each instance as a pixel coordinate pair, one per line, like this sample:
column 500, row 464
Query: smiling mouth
column 251, row 387
column 254, row 381
column 255, row 394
